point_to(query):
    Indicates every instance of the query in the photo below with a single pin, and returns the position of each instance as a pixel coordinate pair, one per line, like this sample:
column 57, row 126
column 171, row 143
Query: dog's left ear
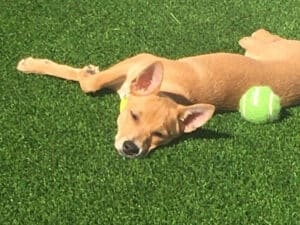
column 194, row 116
column 148, row 81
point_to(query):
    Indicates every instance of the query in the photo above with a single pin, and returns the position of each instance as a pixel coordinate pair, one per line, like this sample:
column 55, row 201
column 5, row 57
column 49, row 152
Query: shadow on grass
column 201, row 134
column 284, row 114
column 102, row 93
column 198, row 134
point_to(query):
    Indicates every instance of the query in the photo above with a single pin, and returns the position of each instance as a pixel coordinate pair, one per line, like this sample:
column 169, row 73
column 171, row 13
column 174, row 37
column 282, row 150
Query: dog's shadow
column 101, row 93
column 202, row 133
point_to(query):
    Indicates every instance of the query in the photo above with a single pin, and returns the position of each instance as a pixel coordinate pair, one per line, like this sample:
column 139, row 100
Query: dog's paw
column 25, row 65
column 91, row 69
column 88, row 85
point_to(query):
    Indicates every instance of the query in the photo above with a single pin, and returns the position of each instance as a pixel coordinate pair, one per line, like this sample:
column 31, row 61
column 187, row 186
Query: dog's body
column 165, row 96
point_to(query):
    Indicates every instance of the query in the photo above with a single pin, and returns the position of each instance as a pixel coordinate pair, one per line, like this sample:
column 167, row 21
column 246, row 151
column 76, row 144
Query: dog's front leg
column 89, row 77
column 111, row 78
column 115, row 76
column 48, row 67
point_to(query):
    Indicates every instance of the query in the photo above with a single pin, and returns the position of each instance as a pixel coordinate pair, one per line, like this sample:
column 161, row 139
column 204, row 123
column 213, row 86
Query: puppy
column 166, row 98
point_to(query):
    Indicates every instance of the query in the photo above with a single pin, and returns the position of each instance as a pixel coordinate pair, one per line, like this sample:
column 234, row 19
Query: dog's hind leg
column 265, row 36
column 256, row 44
column 264, row 46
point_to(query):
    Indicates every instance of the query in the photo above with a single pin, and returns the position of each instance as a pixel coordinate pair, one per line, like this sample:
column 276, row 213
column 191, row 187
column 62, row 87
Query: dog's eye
column 157, row 134
column 134, row 116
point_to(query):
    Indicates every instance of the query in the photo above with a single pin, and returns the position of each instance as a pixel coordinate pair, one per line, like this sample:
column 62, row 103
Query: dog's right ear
column 194, row 116
column 148, row 81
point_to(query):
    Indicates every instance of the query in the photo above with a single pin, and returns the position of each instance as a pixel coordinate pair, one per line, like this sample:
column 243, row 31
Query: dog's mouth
column 135, row 156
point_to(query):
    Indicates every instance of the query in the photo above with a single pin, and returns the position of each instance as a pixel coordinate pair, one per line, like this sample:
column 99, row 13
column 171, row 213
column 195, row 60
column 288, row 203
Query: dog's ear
column 148, row 81
column 194, row 116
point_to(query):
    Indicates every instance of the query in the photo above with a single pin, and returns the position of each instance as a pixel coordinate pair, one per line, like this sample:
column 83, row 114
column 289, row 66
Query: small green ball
column 260, row 105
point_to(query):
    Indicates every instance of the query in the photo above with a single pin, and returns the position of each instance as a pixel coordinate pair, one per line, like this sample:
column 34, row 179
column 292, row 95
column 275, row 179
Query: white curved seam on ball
column 256, row 96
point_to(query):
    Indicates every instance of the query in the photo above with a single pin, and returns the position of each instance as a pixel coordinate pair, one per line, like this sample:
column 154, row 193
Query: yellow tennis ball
column 123, row 103
column 260, row 105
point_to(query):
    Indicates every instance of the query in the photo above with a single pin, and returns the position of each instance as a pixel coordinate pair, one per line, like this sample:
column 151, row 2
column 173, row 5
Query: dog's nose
column 129, row 148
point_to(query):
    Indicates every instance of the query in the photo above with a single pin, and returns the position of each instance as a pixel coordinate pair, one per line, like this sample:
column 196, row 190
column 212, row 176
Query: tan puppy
column 169, row 97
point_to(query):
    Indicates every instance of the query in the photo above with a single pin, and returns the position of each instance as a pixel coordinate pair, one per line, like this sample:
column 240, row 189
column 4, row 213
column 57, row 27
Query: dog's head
column 150, row 119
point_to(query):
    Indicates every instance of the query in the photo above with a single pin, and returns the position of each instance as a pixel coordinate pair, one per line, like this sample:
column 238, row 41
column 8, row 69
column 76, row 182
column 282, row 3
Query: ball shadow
column 284, row 114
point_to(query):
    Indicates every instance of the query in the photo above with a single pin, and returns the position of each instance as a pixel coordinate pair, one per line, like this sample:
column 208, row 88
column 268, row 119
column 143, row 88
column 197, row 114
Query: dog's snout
column 130, row 148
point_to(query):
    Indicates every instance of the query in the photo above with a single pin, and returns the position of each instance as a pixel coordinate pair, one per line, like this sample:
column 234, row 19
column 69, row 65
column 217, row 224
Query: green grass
column 57, row 160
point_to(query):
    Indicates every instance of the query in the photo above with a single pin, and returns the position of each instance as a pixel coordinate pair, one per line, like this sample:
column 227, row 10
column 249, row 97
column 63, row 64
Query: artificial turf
column 57, row 159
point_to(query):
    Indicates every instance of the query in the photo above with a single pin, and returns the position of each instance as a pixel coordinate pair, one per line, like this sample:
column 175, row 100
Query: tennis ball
column 123, row 103
column 260, row 105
